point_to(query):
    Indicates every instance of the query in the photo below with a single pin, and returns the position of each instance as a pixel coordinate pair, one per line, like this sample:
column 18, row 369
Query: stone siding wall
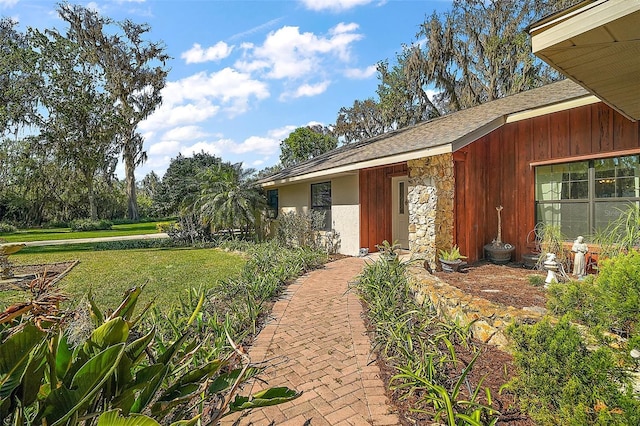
column 431, row 189
column 489, row 319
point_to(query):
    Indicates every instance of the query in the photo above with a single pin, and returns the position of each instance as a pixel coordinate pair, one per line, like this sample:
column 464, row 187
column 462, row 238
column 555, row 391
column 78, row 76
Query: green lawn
column 66, row 233
column 167, row 273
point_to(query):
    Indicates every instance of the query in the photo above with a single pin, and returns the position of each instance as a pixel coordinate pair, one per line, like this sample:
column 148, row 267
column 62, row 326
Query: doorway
column 400, row 210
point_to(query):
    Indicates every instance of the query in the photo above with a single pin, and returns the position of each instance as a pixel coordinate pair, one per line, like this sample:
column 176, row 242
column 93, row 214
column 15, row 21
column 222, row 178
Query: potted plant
column 497, row 251
column 451, row 260
column 388, row 251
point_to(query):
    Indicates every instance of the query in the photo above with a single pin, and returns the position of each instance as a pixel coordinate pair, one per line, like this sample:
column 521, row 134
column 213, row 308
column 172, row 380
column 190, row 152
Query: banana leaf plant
column 116, row 376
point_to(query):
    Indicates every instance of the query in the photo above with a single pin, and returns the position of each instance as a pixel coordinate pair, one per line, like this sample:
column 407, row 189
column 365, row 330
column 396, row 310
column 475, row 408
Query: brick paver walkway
column 317, row 339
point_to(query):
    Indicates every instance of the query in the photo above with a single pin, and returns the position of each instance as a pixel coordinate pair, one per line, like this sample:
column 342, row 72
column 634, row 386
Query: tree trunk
column 132, row 201
column 93, row 207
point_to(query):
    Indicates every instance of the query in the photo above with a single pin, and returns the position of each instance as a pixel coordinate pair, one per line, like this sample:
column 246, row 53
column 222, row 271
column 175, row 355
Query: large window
column 321, row 201
column 584, row 196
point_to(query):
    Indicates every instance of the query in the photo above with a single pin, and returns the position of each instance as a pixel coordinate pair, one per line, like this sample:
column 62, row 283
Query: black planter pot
column 450, row 265
column 530, row 260
column 500, row 255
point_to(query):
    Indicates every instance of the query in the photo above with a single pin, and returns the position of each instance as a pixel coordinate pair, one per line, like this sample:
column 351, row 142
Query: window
column 321, row 201
column 584, row 196
column 272, row 203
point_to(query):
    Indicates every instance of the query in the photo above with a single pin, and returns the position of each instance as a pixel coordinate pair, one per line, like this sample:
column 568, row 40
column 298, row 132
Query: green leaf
column 190, row 422
column 33, row 376
column 94, row 311
column 63, row 403
column 197, row 375
column 166, row 357
column 63, row 355
column 128, row 304
column 152, row 377
column 225, row 381
column 135, row 350
column 114, row 418
column 110, row 333
column 15, row 353
column 179, row 396
column 264, row 398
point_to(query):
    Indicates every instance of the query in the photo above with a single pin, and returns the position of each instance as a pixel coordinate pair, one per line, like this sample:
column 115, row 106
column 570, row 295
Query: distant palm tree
column 228, row 199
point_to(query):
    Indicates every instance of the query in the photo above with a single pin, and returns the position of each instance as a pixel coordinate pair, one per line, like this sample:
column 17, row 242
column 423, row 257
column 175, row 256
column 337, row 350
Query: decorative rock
column 453, row 304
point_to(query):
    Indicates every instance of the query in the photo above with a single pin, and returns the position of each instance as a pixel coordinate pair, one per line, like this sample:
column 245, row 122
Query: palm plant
column 228, row 199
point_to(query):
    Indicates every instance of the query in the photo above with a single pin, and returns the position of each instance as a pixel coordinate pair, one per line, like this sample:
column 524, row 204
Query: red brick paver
column 318, row 343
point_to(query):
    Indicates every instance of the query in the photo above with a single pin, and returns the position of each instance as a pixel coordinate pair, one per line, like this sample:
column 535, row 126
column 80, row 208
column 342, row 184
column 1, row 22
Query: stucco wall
column 431, row 190
column 345, row 209
column 345, row 213
column 294, row 198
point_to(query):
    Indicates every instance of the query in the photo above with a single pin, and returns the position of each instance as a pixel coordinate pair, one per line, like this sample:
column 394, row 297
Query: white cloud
column 197, row 54
column 289, row 54
column 164, row 148
column 201, row 96
column 307, row 90
column 169, row 115
column 5, row 4
column 334, row 5
column 185, row 133
column 361, row 74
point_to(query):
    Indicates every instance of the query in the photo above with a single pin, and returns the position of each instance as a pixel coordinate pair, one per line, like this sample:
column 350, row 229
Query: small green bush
column 562, row 382
column 80, row 225
column 611, row 302
column 164, row 226
column 57, row 224
column 7, row 228
column 619, row 284
column 536, row 280
column 300, row 229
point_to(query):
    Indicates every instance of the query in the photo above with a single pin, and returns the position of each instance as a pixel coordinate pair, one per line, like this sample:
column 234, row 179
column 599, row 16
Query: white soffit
column 597, row 45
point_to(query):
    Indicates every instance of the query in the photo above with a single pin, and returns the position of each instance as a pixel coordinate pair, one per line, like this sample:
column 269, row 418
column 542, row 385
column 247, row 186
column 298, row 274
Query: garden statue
column 552, row 267
column 579, row 263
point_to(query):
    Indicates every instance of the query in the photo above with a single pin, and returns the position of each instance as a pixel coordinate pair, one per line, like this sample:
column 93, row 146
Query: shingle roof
column 440, row 131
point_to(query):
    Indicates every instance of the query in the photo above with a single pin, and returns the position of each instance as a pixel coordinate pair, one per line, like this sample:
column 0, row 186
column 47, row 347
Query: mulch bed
column 506, row 285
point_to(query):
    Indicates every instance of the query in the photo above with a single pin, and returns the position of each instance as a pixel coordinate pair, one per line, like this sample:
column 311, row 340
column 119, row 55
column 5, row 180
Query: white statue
column 579, row 264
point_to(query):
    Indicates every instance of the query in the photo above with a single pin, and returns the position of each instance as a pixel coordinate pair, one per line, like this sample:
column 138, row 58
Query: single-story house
column 556, row 154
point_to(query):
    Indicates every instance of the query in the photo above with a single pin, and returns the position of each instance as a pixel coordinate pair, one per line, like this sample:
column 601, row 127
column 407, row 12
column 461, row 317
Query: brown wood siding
column 375, row 204
column 497, row 170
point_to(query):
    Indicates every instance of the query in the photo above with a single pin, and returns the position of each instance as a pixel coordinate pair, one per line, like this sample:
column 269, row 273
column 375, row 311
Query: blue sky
column 244, row 74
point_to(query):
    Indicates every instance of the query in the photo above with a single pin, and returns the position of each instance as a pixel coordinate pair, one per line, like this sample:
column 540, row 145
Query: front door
column 400, row 206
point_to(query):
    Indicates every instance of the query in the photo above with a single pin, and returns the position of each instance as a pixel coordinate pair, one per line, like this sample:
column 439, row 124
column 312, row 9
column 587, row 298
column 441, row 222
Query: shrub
column 561, row 382
column 81, row 225
column 57, row 224
column 300, row 229
column 578, row 300
column 7, row 228
column 619, row 284
column 189, row 230
column 610, row 302
column 164, row 226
